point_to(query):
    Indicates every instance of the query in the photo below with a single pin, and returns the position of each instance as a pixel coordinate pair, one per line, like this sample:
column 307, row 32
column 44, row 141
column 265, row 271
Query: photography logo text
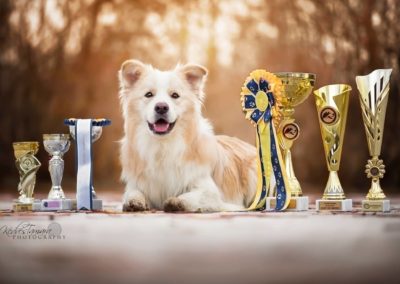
column 30, row 231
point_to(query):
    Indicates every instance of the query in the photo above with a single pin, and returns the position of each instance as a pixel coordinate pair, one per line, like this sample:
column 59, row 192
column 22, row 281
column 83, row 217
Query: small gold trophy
column 296, row 89
column 332, row 103
column 374, row 94
column 27, row 165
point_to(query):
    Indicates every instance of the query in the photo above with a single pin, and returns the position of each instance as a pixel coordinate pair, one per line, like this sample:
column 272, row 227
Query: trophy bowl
column 96, row 132
column 56, row 144
column 297, row 87
column 22, row 148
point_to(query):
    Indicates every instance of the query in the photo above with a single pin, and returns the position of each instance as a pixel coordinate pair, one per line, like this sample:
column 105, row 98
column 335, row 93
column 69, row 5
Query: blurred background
column 59, row 59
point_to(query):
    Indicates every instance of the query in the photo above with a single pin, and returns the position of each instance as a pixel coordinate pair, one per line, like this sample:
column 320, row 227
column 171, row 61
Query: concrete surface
column 154, row 247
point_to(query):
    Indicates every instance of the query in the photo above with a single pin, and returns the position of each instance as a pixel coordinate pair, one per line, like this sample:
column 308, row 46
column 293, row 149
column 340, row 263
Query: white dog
column 170, row 157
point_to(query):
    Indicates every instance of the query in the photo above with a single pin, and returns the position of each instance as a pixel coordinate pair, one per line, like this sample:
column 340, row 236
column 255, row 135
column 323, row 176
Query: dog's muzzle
column 161, row 126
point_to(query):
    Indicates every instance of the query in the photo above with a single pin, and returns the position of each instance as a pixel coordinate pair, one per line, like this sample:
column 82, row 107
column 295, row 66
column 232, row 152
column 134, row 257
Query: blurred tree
column 60, row 58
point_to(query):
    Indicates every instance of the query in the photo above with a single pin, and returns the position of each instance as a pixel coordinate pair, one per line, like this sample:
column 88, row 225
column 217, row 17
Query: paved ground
column 113, row 247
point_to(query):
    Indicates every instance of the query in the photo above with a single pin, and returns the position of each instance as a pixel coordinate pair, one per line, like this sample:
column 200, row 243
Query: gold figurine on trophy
column 332, row 103
column 374, row 94
column 296, row 89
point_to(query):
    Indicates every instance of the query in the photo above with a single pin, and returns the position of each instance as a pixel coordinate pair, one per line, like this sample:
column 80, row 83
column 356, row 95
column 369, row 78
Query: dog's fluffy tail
column 236, row 171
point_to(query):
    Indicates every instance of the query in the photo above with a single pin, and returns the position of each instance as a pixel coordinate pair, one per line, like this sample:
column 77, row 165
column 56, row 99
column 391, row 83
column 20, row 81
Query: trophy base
column 334, row 205
column 376, row 205
column 96, row 203
column 299, row 203
column 22, row 207
column 26, row 207
column 56, row 204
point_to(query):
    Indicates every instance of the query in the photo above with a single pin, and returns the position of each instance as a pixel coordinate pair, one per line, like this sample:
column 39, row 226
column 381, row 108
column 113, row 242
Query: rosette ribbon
column 261, row 101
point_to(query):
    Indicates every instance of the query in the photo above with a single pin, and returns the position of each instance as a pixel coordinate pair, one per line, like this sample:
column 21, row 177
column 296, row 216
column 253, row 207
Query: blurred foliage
column 59, row 59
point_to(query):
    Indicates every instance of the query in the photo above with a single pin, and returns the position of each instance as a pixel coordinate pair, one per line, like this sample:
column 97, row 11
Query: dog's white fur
column 188, row 169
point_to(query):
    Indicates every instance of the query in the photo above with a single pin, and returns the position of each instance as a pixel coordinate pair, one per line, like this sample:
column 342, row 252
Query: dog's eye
column 175, row 95
column 148, row 95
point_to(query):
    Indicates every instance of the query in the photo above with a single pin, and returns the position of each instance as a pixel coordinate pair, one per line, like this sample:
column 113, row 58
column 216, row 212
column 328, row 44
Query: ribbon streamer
column 261, row 101
column 83, row 136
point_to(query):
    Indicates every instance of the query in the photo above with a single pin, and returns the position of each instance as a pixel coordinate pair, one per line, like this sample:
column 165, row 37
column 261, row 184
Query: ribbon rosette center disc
column 261, row 100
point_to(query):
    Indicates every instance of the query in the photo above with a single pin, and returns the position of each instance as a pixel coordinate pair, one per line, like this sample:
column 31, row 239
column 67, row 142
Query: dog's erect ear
column 131, row 71
column 195, row 75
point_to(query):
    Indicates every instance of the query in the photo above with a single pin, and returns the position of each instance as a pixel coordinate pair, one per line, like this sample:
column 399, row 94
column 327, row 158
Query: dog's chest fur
column 166, row 170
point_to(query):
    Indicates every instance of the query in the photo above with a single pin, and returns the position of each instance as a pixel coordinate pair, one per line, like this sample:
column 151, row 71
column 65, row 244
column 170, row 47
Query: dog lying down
column 170, row 157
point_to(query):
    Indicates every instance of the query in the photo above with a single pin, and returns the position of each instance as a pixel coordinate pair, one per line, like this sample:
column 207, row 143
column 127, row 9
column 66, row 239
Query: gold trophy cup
column 374, row 94
column 332, row 103
column 296, row 89
column 27, row 165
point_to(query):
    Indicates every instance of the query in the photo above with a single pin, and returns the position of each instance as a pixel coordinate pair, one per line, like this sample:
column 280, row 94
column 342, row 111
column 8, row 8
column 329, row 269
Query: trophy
column 27, row 165
column 85, row 132
column 374, row 94
column 56, row 145
column 332, row 103
column 296, row 89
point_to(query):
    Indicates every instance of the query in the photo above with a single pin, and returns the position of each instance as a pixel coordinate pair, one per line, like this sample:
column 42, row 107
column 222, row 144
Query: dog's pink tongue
column 161, row 126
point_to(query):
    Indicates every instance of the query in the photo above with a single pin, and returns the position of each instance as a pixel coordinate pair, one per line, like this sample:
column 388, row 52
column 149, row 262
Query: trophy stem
column 56, row 169
column 294, row 183
column 289, row 131
column 333, row 189
column 375, row 192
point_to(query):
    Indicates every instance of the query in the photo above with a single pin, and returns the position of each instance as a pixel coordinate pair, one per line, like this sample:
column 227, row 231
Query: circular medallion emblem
column 329, row 115
column 374, row 172
column 27, row 163
column 291, row 131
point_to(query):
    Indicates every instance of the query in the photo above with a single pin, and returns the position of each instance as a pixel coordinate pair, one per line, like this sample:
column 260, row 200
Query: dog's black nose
column 161, row 108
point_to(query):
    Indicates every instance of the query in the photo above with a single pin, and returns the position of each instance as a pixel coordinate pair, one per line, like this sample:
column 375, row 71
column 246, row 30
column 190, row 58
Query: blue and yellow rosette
column 261, row 98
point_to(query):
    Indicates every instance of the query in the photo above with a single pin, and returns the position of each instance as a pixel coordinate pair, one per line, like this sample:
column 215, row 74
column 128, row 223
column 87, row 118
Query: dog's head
column 158, row 99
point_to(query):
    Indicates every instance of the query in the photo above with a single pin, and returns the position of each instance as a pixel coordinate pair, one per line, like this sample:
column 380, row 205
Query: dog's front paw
column 134, row 205
column 174, row 204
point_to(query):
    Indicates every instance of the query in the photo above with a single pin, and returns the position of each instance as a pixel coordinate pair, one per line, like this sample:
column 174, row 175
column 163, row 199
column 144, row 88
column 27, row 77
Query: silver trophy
column 96, row 131
column 56, row 145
